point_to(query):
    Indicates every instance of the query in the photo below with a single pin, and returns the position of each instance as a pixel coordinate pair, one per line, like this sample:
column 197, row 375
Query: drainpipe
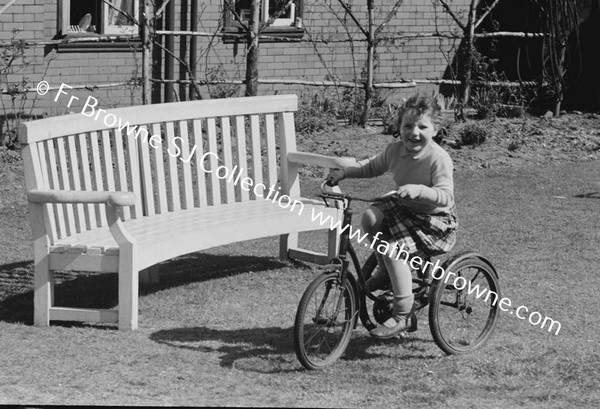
column 170, row 46
column 193, row 45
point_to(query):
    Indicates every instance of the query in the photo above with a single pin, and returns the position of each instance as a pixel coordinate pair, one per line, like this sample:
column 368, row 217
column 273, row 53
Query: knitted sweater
column 431, row 168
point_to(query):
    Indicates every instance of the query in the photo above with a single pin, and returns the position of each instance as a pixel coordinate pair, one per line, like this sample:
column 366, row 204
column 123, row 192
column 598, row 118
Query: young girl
column 420, row 214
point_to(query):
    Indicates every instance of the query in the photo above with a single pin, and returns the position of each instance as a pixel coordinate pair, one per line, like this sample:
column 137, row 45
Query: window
column 95, row 17
column 286, row 24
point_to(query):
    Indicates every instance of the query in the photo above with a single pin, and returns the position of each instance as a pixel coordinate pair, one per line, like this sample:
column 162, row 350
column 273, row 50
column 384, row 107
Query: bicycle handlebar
column 330, row 194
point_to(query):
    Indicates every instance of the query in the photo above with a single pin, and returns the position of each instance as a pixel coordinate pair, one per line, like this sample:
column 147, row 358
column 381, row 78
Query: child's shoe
column 393, row 327
column 403, row 312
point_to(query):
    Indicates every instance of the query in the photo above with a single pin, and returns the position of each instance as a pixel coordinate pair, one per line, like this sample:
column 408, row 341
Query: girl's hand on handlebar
column 409, row 192
column 335, row 176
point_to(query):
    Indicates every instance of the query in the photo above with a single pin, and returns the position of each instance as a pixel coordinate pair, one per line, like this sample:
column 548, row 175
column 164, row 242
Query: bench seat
column 164, row 236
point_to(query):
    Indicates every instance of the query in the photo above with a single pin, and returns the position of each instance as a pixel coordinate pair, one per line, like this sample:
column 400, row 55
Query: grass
column 217, row 330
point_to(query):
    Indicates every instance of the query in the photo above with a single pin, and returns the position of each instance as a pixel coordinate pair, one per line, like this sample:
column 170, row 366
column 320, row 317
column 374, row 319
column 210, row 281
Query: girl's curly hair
column 419, row 104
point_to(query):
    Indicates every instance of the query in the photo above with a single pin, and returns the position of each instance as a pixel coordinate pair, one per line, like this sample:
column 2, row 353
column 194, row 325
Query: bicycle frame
column 423, row 278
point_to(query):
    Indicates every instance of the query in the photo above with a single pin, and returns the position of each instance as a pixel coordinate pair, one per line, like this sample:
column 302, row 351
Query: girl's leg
column 371, row 224
column 401, row 278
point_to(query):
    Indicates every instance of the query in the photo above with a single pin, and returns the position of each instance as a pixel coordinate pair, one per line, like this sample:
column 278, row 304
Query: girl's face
column 416, row 131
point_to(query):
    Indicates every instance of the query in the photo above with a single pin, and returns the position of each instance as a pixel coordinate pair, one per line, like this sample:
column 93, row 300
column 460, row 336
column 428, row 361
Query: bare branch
column 347, row 9
column 389, row 17
column 183, row 63
column 10, row 3
column 484, row 15
column 451, row 13
column 161, row 9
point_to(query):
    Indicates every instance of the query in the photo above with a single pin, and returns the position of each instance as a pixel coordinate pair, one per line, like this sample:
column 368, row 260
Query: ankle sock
column 402, row 305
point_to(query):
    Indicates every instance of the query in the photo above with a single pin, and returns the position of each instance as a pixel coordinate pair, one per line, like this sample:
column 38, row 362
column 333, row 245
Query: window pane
column 79, row 9
column 277, row 5
column 242, row 8
column 119, row 18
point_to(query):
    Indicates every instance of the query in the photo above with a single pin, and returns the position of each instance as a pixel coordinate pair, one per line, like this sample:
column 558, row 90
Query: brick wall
column 37, row 20
column 419, row 58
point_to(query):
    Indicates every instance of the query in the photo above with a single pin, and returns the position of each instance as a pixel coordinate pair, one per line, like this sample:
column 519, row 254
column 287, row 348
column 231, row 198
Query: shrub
column 316, row 113
column 473, row 134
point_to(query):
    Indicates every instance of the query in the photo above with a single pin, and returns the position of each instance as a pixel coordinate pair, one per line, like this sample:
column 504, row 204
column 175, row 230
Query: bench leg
column 43, row 297
column 289, row 249
column 128, row 291
column 286, row 242
column 333, row 243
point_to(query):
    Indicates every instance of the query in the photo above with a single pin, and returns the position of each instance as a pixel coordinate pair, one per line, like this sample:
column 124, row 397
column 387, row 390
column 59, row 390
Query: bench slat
column 107, row 165
column 215, row 186
column 146, row 169
column 59, row 208
column 289, row 171
column 63, row 167
column 271, row 152
column 184, row 158
column 87, row 179
column 200, row 175
column 174, row 198
column 227, row 158
column 121, row 172
column 256, row 151
column 134, row 174
column 98, row 177
column 240, row 129
column 160, row 171
column 41, row 174
column 79, row 208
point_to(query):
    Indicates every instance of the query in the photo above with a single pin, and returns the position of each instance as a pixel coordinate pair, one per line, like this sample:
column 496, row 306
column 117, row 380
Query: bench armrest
column 68, row 196
column 332, row 162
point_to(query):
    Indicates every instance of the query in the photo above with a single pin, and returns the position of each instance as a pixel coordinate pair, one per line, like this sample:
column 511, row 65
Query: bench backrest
column 161, row 153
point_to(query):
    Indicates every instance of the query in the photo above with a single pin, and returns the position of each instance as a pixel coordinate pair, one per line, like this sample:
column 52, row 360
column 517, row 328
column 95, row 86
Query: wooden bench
column 106, row 197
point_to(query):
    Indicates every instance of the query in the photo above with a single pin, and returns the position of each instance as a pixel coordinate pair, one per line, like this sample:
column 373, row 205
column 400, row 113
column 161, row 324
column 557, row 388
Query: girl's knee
column 372, row 219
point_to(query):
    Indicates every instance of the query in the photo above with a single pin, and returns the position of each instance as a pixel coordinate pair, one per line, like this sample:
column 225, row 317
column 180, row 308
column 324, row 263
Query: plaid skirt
column 424, row 235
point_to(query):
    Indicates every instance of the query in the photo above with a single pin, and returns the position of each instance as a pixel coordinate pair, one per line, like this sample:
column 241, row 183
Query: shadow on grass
column 93, row 290
column 591, row 195
column 271, row 350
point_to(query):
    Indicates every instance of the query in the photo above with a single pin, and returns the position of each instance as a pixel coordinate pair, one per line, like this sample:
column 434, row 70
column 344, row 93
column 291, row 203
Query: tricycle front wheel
column 324, row 321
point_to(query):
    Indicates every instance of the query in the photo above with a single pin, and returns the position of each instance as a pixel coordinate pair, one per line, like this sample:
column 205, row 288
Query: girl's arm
column 368, row 168
column 441, row 193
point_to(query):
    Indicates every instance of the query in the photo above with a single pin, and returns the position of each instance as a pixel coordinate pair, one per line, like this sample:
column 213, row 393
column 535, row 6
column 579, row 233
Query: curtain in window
column 115, row 17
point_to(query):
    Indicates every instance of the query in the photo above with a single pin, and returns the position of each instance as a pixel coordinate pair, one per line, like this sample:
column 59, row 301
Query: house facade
column 97, row 52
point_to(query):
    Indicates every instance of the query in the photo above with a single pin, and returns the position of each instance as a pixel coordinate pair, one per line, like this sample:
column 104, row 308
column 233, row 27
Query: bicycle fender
column 464, row 255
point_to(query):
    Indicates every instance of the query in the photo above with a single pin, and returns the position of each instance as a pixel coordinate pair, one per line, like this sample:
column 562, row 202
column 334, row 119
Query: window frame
column 64, row 26
column 289, row 28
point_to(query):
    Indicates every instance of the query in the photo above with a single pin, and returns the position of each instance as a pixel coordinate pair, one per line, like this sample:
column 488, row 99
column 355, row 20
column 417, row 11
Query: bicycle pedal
column 413, row 323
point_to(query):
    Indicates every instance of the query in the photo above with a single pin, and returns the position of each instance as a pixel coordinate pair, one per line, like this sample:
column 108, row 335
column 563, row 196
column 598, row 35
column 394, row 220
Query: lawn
column 217, row 330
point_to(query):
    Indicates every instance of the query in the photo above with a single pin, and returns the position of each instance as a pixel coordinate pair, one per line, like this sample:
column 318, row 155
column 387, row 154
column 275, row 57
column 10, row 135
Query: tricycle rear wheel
column 463, row 309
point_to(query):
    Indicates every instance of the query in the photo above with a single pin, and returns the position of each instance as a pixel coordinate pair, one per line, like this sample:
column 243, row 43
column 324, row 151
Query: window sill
column 91, row 42
column 270, row 35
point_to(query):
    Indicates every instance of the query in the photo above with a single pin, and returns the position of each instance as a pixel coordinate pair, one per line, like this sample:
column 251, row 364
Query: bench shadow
column 271, row 350
column 94, row 290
